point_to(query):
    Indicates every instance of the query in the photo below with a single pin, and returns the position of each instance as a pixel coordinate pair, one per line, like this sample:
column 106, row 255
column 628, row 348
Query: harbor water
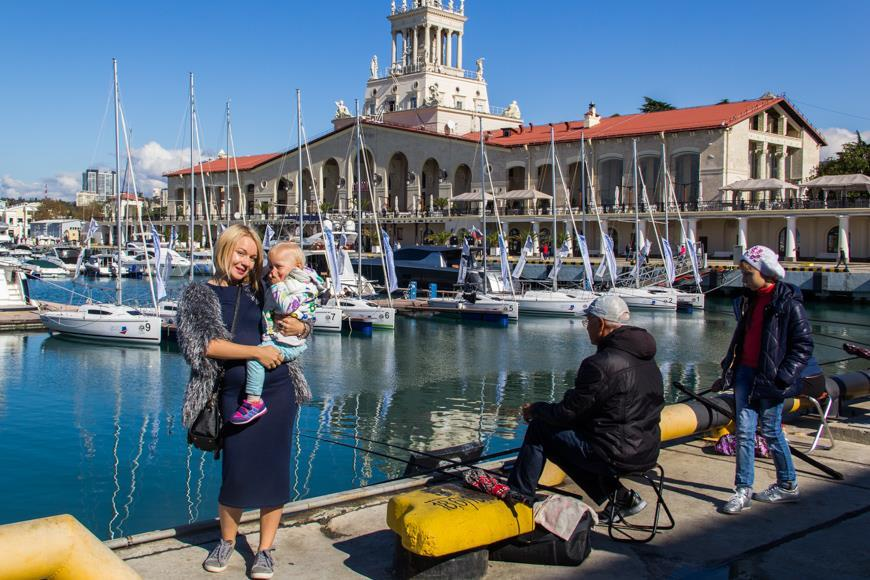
column 95, row 431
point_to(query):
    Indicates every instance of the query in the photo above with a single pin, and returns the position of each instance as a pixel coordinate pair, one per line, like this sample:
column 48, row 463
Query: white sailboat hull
column 328, row 319
column 693, row 299
column 484, row 304
column 549, row 303
column 116, row 327
column 379, row 316
column 648, row 298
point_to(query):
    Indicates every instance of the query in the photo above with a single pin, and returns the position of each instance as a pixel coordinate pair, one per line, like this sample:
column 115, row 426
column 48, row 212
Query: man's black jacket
column 616, row 401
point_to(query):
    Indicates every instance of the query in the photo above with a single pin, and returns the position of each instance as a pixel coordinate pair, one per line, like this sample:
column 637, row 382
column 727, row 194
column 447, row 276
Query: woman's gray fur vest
column 199, row 322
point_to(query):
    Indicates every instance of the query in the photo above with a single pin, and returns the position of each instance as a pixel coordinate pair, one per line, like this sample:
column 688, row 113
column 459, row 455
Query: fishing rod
column 730, row 415
column 443, row 469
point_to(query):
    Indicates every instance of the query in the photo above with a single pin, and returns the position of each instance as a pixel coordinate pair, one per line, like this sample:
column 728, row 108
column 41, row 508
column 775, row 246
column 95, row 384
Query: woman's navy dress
column 256, row 456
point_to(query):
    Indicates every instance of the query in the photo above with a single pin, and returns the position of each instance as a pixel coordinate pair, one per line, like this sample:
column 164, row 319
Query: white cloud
column 836, row 138
column 150, row 162
column 61, row 185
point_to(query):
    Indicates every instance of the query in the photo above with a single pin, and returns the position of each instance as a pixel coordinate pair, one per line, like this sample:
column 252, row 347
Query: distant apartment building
column 18, row 218
column 98, row 185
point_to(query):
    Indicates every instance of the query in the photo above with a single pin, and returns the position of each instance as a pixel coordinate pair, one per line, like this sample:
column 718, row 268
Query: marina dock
column 345, row 535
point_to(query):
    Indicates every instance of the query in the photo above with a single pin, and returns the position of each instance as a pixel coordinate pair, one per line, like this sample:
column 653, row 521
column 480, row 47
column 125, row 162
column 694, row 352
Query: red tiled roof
column 220, row 165
column 689, row 119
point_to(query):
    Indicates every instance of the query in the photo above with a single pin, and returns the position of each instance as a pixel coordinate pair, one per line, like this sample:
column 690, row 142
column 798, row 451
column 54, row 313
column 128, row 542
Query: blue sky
column 552, row 57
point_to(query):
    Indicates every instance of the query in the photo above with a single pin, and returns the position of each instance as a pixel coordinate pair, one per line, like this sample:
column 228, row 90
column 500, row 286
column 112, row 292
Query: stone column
column 459, row 50
column 641, row 238
column 536, row 231
column 742, row 227
column 449, row 49
column 763, row 172
column 692, row 229
column 438, row 51
column 414, row 48
column 349, row 182
column 790, row 239
column 780, row 169
column 393, row 53
column 843, row 238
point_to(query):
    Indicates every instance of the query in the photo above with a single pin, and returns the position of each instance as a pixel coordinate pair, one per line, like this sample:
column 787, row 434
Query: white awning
column 471, row 196
column 519, row 194
column 853, row 182
column 758, row 185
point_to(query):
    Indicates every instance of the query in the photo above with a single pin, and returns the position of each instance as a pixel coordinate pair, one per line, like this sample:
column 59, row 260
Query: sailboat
column 552, row 302
column 645, row 297
column 115, row 322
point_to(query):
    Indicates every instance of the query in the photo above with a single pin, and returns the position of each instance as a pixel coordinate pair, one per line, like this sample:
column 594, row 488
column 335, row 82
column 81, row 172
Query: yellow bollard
column 59, row 548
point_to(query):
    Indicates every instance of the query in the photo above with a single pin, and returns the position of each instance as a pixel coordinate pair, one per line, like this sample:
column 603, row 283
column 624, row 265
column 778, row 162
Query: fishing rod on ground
column 730, row 415
column 444, row 470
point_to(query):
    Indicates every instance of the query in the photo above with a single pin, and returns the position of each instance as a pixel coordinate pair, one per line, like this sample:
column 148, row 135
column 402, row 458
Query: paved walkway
column 823, row 536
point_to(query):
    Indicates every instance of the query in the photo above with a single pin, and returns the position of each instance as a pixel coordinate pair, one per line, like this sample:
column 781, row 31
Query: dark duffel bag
column 540, row 546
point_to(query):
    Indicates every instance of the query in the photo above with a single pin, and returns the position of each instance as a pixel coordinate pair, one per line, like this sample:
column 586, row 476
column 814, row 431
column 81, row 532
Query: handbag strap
column 219, row 384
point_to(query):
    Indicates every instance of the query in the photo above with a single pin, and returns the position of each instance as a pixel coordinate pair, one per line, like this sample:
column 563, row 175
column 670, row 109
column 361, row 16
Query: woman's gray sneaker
column 740, row 501
column 219, row 557
column 263, row 565
column 778, row 494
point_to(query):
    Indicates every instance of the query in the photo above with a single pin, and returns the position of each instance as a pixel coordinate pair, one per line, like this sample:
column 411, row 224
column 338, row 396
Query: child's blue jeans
column 257, row 373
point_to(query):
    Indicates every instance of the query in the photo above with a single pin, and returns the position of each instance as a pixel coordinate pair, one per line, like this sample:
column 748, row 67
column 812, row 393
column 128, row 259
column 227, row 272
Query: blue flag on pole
column 392, row 281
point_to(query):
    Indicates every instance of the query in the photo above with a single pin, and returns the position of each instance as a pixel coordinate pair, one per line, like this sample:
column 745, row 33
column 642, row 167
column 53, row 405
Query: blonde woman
column 219, row 330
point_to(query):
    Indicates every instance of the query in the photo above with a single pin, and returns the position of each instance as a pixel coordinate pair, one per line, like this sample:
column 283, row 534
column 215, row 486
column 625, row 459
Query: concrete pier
column 822, row 536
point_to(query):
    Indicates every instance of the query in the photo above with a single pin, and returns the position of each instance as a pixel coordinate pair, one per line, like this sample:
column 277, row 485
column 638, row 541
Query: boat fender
column 449, row 519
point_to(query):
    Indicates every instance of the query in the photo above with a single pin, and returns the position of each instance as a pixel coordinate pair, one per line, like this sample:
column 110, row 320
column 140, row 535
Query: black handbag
column 205, row 432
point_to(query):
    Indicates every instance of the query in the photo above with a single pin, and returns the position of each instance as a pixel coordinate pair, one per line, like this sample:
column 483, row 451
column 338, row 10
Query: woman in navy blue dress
column 256, row 457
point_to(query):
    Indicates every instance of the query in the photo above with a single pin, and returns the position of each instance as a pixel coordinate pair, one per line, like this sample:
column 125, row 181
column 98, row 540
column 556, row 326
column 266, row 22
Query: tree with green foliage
column 651, row 105
column 854, row 157
column 439, row 238
column 52, row 209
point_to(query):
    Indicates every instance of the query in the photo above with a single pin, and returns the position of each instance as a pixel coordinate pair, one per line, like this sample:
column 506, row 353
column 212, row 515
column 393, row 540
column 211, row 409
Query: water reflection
column 101, row 422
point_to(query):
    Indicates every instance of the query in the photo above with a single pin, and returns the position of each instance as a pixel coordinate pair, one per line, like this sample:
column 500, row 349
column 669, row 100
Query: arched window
column 687, row 178
column 609, row 178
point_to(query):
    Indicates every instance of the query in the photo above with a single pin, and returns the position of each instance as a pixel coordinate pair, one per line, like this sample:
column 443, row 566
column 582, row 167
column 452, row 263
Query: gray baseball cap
column 609, row 307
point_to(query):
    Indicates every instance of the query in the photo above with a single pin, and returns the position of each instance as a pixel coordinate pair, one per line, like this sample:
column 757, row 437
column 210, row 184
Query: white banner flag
column 464, row 261
column 669, row 261
column 392, row 281
column 161, row 286
column 610, row 258
column 562, row 253
column 693, row 257
column 331, row 258
column 503, row 260
column 527, row 250
column 587, row 264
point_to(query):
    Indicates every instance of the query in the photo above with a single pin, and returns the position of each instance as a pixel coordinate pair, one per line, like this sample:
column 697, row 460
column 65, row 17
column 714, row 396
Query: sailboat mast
column 483, row 199
column 192, row 182
column 228, row 196
column 666, row 182
column 636, row 217
column 553, row 238
column 118, row 298
column 359, row 154
column 299, row 192
column 583, row 181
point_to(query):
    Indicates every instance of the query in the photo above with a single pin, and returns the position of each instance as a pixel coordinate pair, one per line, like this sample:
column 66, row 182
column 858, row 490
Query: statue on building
column 393, row 7
column 341, row 110
column 374, row 66
column 434, row 95
column 450, row 5
column 513, row 111
column 404, row 5
column 462, row 6
column 480, row 69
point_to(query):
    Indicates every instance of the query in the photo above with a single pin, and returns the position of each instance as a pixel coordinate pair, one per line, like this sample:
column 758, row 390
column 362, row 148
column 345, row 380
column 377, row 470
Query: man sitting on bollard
column 608, row 423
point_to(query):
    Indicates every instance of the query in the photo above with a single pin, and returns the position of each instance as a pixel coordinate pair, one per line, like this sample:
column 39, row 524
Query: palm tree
column 439, row 238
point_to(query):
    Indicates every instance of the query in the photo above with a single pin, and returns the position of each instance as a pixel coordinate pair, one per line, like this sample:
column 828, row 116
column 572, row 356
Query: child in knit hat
column 771, row 346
